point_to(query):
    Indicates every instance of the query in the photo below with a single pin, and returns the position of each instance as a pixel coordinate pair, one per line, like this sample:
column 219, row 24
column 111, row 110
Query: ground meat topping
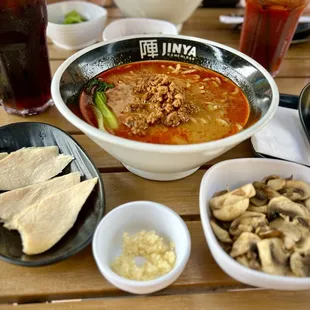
column 155, row 117
column 133, row 107
column 162, row 101
column 137, row 123
column 173, row 119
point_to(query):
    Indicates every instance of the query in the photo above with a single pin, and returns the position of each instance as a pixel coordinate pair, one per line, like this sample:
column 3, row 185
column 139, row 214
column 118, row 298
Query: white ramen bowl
column 233, row 174
column 154, row 161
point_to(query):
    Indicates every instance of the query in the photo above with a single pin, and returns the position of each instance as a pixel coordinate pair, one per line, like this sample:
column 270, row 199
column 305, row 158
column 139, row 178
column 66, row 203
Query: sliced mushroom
column 290, row 194
column 261, row 209
column 246, row 242
column 304, row 222
column 249, row 260
column 229, row 206
column 296, row 190
column 303, row 246
column 270, row 177
column 271, row 233
column 307, row 204
column 259, row 199
column 247, row 222
column 225, row 246
column 273, row 257
column 268, row 191
column 220, row 193
column 220, row 233
column 259, row 185
column 265, row 231
column 283, row 205
column 300, row 264
column 292, row 234
column 276, row 223
column 276, row 184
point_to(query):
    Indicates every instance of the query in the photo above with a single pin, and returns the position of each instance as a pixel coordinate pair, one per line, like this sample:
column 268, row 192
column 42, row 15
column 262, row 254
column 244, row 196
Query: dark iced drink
column 25, row 75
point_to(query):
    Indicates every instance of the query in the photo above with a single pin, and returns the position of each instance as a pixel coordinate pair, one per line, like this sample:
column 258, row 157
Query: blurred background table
column 203, row 284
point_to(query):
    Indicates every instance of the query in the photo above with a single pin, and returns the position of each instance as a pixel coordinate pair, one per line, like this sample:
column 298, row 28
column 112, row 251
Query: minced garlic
column 159, row 256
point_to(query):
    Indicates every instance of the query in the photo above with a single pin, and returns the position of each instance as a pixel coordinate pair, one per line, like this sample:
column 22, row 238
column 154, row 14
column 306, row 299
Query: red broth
column 222, row 107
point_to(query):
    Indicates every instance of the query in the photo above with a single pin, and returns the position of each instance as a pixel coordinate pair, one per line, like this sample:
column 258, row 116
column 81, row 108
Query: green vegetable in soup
column 73, row 17
column 99, row 84
column 99, row 117
column 104, row 114
column 109, row 117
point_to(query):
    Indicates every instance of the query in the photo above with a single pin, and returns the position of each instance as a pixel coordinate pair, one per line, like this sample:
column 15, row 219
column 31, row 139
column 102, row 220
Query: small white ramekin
column 133, row 217
column 75, row 36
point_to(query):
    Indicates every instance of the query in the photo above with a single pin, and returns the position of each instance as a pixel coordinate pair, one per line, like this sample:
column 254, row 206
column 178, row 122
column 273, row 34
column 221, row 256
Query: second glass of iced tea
column 268, row 29
column 25, row 76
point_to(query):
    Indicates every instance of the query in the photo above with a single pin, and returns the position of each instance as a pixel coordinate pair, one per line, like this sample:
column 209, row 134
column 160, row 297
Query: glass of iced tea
column 25, row 75
column 268, row 29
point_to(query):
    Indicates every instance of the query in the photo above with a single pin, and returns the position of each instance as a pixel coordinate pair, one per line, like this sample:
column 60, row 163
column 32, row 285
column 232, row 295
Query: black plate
column 16, row 136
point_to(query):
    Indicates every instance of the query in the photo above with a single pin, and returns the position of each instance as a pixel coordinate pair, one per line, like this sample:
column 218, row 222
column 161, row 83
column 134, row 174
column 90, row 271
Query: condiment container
column 133, row 217
column 231, row 174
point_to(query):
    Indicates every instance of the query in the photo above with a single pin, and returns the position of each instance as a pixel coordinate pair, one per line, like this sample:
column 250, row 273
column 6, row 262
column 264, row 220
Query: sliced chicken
column 3, row 155
column 31, row 165
column 43, row 224
column 13, row 202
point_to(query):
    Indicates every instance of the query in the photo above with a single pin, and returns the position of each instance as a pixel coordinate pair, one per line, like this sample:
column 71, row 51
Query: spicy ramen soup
column 164, row 102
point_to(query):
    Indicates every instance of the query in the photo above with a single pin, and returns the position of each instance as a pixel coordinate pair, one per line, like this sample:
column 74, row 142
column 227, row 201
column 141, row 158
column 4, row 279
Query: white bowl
column 135, row 26
column 75, row 36
column 235, row 173
column 174, row 11
column 133, row 217
column 164, row 162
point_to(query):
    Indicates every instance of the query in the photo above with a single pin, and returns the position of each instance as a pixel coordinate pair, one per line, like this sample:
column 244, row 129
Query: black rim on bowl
column 27, row 134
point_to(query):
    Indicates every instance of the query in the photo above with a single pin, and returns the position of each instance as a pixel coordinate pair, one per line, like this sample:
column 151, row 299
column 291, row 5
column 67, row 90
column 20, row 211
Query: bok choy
column 104, row 114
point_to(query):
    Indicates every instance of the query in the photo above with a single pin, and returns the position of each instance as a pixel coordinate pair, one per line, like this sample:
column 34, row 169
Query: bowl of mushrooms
column 255, row 215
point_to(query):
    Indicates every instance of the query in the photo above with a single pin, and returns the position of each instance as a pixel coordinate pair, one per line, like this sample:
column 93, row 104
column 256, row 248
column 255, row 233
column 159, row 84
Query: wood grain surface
column 232, row 300
column 78, row 276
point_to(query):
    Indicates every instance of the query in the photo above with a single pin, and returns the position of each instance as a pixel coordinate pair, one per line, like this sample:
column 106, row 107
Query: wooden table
column 203, row 284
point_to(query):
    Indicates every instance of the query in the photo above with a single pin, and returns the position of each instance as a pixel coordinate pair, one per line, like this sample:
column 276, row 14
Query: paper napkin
column 284, row 137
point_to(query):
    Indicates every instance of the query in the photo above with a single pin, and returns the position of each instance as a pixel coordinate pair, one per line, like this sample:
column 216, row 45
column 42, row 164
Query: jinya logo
column 151, row 48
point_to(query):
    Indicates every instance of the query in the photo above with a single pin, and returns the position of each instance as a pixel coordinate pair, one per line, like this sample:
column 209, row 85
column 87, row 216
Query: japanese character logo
column 148, row 48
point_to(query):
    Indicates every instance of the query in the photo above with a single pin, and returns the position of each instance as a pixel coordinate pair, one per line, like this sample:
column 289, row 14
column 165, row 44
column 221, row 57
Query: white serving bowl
column 174, row 11
column 75, row 36
column 154, row 161
column 235, row 173
column 133, row 217
column 135, row 26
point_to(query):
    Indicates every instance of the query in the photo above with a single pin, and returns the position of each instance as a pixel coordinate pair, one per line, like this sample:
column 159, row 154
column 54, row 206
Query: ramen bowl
column 160, row 161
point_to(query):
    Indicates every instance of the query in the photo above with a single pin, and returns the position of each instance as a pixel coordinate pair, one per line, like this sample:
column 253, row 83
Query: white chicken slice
column 43, row 224
column 13, row 202
column 31, row 165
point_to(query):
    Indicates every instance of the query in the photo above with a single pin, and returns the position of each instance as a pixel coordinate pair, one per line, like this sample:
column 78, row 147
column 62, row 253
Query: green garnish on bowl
column 104, row 114
column 74, row 17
